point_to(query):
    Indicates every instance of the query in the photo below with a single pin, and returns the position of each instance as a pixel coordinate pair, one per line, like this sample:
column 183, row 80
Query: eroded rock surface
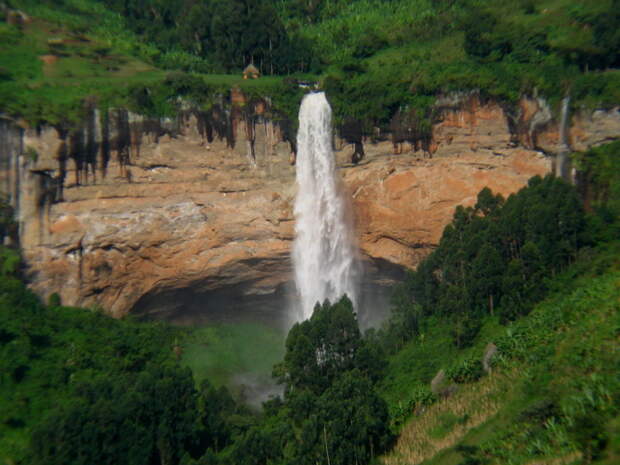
column 402, row 203
column 189, row 223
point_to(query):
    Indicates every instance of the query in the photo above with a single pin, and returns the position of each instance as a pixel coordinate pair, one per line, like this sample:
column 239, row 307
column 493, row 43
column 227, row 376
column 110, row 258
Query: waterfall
column 324, row 252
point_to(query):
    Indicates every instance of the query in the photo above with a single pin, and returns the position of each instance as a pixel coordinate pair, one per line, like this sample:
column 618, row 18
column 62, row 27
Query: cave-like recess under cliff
column 243, row 302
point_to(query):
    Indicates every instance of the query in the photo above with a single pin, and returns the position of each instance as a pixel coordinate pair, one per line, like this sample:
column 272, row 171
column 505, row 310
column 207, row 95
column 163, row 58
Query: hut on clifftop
column 251, row 72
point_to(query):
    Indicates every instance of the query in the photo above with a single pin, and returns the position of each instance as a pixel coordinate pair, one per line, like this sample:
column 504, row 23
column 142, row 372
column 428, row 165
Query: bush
column 32, row 154
column 54, row 300
column 9, row 261
column 466, row 371
column 9, row 35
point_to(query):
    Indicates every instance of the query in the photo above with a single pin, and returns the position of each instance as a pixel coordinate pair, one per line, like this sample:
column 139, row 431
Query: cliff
column 189, row 218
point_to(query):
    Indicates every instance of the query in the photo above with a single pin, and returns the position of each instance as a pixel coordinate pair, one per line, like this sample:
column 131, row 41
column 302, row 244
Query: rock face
column 402, row 203
column 191, row 227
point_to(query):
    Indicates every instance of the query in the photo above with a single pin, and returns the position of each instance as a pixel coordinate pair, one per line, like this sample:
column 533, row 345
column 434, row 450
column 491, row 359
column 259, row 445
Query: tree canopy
column 495, row 257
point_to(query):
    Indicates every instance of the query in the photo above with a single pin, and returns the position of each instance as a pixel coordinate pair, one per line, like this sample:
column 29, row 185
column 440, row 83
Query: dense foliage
column 553, row 392
column 494, row 258
column 330, row 412
column 376, row 58
column 97, row 60
column 599, row 186
column 79, row 387
column 229, row 34
column 84, row 370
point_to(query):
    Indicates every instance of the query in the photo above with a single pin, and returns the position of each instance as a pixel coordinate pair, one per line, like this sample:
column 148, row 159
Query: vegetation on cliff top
column 74, row 53
column 372, row 56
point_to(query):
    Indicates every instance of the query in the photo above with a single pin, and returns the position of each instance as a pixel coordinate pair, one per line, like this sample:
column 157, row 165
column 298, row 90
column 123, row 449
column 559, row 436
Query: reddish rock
column 402, row 203
column 205, row 218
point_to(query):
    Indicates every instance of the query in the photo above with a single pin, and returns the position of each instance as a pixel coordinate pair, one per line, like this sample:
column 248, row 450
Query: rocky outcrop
column 191, row 215
column 402, row 203
column 183, row 218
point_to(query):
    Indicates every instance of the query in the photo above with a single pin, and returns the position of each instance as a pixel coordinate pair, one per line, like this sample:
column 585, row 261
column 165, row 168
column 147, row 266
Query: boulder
column 490, row 352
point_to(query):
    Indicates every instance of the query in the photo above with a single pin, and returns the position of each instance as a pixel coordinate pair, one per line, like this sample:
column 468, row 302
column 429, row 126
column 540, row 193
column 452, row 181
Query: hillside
column 60, row 58
column 372, row 56
column 536, row 383
column 552, row 391
column 405, row 52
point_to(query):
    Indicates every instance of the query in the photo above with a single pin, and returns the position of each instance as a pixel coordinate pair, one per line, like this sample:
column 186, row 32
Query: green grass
column 373, row 57
column 218, row 353
column 412, row 368
column 447, row 422
column 391, row 52
column 417, row 363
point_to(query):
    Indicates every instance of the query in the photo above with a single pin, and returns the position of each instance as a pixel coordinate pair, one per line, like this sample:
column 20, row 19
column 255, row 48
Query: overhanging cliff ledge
column 118, row 216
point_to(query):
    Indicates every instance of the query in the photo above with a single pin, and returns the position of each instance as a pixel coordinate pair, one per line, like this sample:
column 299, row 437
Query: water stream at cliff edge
column 324, row 251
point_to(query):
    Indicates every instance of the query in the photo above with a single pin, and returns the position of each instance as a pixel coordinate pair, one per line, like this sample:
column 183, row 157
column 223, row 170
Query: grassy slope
column 400, row 51
column 375, row 56
column 88, row 63
column 553, row 394
column 96, row 58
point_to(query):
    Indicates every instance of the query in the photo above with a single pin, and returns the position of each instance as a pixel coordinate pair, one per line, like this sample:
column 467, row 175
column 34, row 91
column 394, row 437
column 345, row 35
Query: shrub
column 54, row 300
column 9, row 262
column 32, row 154
column 466, row 371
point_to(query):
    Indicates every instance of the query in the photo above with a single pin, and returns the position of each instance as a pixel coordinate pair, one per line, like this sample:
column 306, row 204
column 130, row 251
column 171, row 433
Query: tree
column 321, row 348
column 487, row 270
column 195, row 26
column 246, row 31
column 513, row 285
column 330, row 404
column 497, row 252
column 143, row 419
column 348, row 424
column 214, row 409
column 487, row 203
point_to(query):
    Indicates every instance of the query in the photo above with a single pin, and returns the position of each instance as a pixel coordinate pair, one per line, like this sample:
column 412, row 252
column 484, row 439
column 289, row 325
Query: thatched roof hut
column 251, row 72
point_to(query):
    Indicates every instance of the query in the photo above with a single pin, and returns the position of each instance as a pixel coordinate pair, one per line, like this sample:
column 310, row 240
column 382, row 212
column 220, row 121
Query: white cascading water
column 324, row 252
